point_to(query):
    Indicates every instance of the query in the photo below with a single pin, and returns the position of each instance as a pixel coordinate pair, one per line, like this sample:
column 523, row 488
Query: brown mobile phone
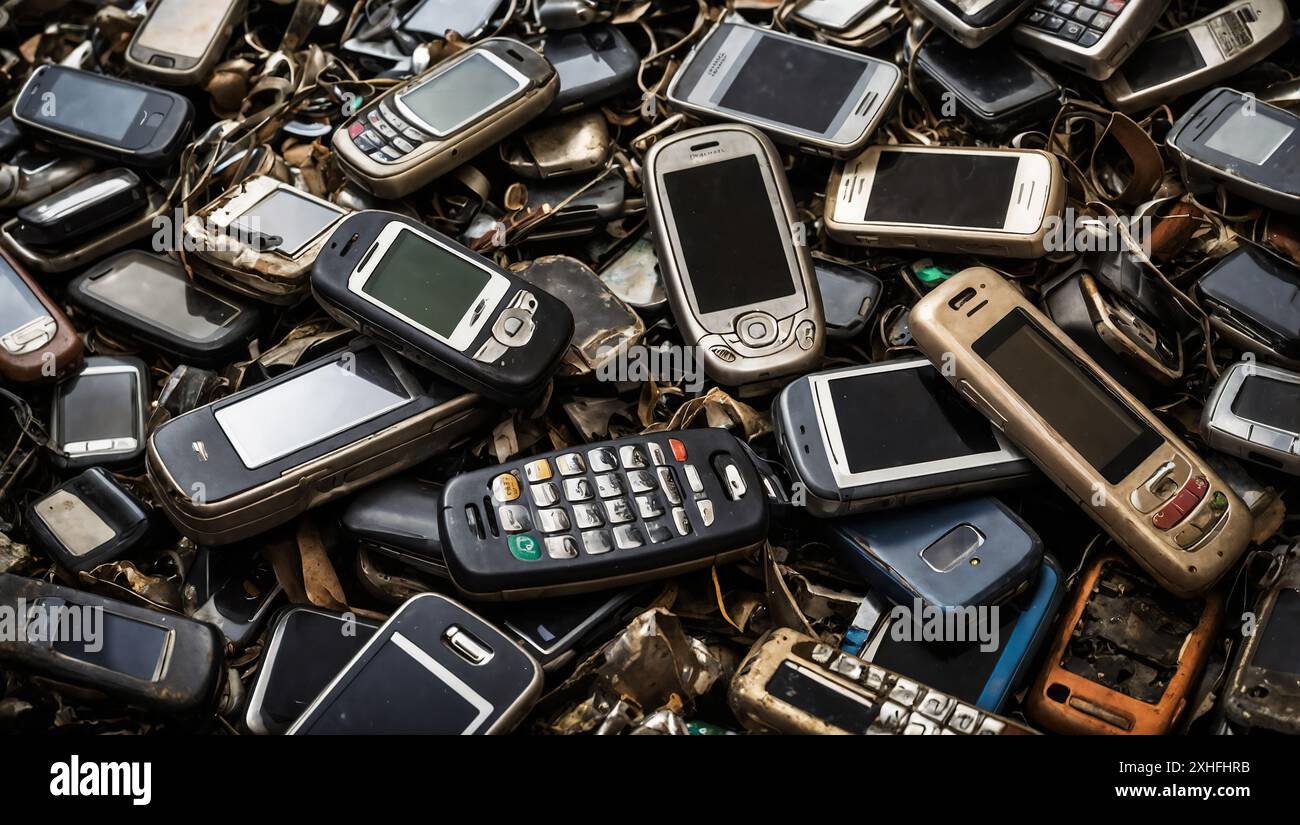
column 1126, row 655
column 1098, row 443
column 37, row 342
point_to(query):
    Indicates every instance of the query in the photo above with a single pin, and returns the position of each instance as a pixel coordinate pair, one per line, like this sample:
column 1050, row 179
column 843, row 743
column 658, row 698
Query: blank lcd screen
column 427, row 283
column 19, row 306
column 1279, row 649
column 99, row 406
column 1272, row 403
column 1253, row 138
column 313, row 649
column 820, row 698
column 125, row 646
column 1084, row 414
column 942, row 189
column 460, row 94
column 1162, row 59
column 290, row 216
column 793, row 83
column 729, row 234
column 160, row 295
column 901, row 417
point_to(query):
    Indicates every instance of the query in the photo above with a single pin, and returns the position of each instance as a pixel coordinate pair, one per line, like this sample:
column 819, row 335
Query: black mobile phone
column 98, row 414
column 442, row 305
column 554, row 631
column 849, row 296
column 32, row 174
column 236, row 588
column 398, row 518
column 1253, row 300
column 80, row 210
column 119, row 120
column 606, row 515
column 574, row 213
column 594, row 64
column 87, row 521
column 433, row 668
column 1263, row 690
column 150, row 297
column 156, row 661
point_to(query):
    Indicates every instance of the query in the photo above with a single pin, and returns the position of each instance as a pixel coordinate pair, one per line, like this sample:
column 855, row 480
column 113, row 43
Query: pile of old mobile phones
column 822, row 99
column 1230, row 139
column 742, row 288
column 1263, row 689
column 149, row 297
column 1253, row 300
column 849, row 296
column 179, row 42
column 87, row 521
column 887, row 434
column 258, row 458
column 37, row 341
column 97, row 418
column 593, row 63
column 464, row 317
column 1001, row 202
column 441, row 118
column 1253, row 412
column 160, row 662
column 434, row 667
column 1093, row 38
column 80, row 209
column 972, row 23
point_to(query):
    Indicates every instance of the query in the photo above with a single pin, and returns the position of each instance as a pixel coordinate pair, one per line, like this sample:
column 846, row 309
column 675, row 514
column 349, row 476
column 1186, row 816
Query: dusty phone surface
column 1253, row 412
column 87, row 521
column 1263, row 689
column 180, row 42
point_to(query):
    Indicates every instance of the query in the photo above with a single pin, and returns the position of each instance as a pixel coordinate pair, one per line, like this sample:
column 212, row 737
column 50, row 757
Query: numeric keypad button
column 602, row 459
column 577, row 489
column 619, row 510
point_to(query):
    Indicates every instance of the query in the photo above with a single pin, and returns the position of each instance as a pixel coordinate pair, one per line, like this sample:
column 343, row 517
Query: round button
column 806, row 335
column 757, row 329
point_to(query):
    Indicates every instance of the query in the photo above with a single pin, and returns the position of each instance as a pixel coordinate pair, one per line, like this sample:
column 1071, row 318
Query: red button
column 1182, row 504
column 678, row 448
column 356, row 129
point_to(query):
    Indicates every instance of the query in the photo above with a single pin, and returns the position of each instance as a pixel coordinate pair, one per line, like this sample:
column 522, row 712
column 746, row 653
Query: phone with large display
column 1253, row 412
column 180, row 41
column 98, row 415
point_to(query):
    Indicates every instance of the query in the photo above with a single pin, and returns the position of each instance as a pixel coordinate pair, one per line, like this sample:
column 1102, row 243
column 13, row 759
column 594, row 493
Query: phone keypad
column 514, row 327
column 383, row 135
column 1180, row 504
column 1084, row 22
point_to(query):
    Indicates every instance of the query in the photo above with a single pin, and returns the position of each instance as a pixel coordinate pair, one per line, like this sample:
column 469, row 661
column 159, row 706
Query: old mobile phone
column 97, row 418
column 157, row 661
column 947, row 554
column 999, row 92
column 1199, row 54
column 1089, row 435
column 441, row 118
column 32, row 174
column 1093, row 38
column 108, row 239
column 261, row 238
column 81, row 209
column 633, row 274
column 1230, row 139
column 981, row 670
column 37, row 341
column 561, row 147
column 86, row 521
column 122, row 121
column 594, row 64
column 435, row 18
column 150, row 297
column 849, row 296
column 442, row 305
column 822, row 99
column 741, row 287
column 887, row 434
column 971, row 23
column 1254, row 413
column 853, row 24
column 793, row 684
column 1126, row 655
column 553, row 631
column 1263, row 690
column 258, row 458
column 835, row 16
column 398, row 518
column 610, row 514
column 306, row 647
column 180, row 42
column 1253, row 300
column 999, row 202
column 581, row 213
column 434, row 667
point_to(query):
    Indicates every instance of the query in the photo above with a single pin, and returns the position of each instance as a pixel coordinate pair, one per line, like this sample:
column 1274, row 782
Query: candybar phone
column 594, row 64
column 444, row 116
column 1263, row 690
column 435, row 18
column 134, row 227
column 947, row 554
column 37, row 341
column 261, row 238
column 824, row 100
column 97, row 419
column 433, row 668
column 1089, row 435
column 442, row 305
column 849, row 296
column 79, row 210
column 793, row 684
column 1253, row 300
column 306, row 647
column 835, row 16
column 236, row 591
column 610, row 514
column 1232, row 140
column 1126, row 655
column 87, row 521
column 1254, row 413
column 1093, row 37
column 553, row 631
column 1200, row 54
column 32, row 174
column 156, row 661
column 888, row 434
column 971, row 23
column 150, row 297
column 999, row 202
column 741, row 287
column 398, row 518
column 258, row 458
column 180, row 42
column 122, row 121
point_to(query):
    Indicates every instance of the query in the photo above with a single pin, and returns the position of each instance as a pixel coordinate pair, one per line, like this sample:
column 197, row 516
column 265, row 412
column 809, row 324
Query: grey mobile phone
column 97, row 419
column 32, row 174
column 971, row 22
column 180, row 41
column 1254, row 413
column 1093, row 38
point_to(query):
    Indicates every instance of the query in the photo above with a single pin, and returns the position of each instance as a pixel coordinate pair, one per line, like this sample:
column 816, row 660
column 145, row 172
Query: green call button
column 524, row 547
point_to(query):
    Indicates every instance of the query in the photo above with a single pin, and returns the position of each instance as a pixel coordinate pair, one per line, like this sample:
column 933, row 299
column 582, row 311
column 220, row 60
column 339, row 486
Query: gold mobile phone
column 1088, row 434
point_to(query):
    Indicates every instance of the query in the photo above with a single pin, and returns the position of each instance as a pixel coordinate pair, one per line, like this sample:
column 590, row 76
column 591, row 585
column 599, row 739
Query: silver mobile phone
column 180, row 41
column 1254, row 413
column 971, row 23
column 1093, row 38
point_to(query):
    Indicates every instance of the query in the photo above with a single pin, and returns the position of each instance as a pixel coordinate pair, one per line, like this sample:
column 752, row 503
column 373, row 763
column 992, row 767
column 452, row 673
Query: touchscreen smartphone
column 98, row 414
column 180, row 41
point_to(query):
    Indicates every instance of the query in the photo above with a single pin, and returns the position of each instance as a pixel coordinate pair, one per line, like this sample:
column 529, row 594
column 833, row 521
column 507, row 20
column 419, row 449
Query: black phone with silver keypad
column 603, row 515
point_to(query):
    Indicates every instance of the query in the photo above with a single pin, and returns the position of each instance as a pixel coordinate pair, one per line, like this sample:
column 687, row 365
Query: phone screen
column 288, row 215
column 289, row 416
column 1269, row 402
column 182, row 27
column 19, row 306
column 793, row 83
column 429, row 284
column 1082, row 411
column 942, row 189
column 436, row 17
column 159, row 293
column 125, row 646
column 1279, row 649
column 962, row 669
column 819, row 697
column 896, row 418
column 97, row 406
column 89, row 104
column 729, row 234
column 1162, row 59
column 457, row 96
column 1258, row 290
column 313, row 650
column 1253, row 137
